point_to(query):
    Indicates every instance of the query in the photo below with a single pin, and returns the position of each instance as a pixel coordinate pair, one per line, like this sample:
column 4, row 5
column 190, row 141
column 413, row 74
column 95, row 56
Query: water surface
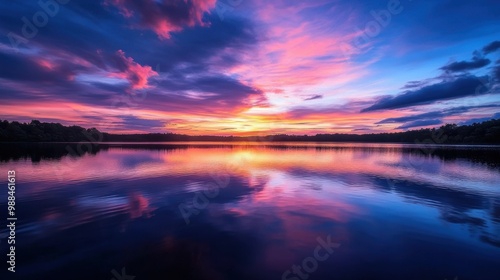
column 254, row 211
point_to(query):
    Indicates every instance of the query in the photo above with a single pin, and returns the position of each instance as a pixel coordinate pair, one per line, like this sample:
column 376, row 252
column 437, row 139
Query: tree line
column 487, row 132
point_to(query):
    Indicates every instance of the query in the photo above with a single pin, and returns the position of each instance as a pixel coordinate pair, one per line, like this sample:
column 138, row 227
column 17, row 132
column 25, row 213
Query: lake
column 253, row 211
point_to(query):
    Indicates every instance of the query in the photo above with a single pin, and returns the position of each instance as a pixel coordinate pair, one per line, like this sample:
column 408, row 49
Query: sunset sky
column 240, row 67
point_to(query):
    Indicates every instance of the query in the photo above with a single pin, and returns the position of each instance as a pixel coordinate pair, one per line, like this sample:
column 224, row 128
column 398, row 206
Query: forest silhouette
column 487, row 132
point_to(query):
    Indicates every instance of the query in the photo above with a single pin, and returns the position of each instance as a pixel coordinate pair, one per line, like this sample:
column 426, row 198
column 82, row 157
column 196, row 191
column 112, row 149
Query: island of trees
column 487, row 132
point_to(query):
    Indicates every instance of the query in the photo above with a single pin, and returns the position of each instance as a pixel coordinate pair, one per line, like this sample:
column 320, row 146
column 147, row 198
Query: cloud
column 460, row 66
column 437, row 114
column 223, row 44
column 85, row 59
column 414, row 84
column 492, row 47
column 164, row 17
column 421, row 93
column 318, row 96
column 420, row 123
column 479, row 120
column 137, row 123
column 445, row 90
column 204, row 93
column 496, row 71
column 222, row 86
column 136, row 74
column 31, row 68
column 411, row 118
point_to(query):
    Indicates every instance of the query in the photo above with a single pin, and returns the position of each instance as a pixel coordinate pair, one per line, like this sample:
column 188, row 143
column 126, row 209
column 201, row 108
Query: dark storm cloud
column 492, row 47
column 445, row 90
column 460, row 66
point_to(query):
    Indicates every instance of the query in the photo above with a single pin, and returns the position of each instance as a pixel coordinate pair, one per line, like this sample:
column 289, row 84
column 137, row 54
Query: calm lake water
column 254, row 211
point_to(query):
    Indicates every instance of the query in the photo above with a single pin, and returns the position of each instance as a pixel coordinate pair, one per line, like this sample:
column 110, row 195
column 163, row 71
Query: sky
column 248, row 67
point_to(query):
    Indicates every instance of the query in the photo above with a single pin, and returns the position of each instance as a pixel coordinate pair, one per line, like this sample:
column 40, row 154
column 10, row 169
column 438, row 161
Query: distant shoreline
column 485, row 133
column 310, row 144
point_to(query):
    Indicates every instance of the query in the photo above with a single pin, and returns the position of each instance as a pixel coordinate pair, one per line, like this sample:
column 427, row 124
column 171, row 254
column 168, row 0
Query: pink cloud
column 132, row 71
column 164, row 17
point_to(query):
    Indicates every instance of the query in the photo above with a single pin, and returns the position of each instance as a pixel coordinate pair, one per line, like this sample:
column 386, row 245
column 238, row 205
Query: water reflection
column 399, row 212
